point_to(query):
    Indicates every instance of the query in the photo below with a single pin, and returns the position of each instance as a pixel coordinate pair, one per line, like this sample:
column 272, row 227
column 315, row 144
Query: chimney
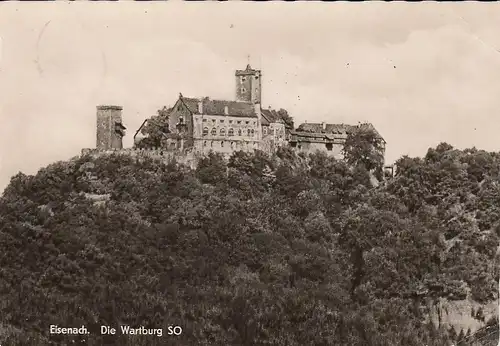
column 226, row 110
column 323, row 125
column 200, row 107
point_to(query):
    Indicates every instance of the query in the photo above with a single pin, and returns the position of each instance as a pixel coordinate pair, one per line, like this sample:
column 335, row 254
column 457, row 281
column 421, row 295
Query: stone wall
column 461, row 314
column 188, row 158
column 311, row 147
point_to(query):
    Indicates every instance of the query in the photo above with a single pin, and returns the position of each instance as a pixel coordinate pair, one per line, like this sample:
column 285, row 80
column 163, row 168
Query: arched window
column 223, row 131
column 264, row 130
column 214, row 132
column 204, row 143
column 222, row 143
column 239, row 132
column 248, row 132
column 230, row 132
column 253, row 132
column 205, row 131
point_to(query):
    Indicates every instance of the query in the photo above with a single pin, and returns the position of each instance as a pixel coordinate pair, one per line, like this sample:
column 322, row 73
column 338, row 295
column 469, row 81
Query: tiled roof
column 269, row 116
column 329, row 128
column 217, row 107
column 335, row 129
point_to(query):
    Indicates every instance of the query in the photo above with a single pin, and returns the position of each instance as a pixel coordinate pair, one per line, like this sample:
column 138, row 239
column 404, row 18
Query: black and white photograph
column 244, row 173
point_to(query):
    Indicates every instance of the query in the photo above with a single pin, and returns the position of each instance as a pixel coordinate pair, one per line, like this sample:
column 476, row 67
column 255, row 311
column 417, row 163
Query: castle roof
column 335, row 129
column 217, row 107
column 270, row 116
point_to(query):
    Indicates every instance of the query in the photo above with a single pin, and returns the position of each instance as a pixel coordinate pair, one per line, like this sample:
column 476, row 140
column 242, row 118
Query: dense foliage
column 282, row 250
column 155, row 130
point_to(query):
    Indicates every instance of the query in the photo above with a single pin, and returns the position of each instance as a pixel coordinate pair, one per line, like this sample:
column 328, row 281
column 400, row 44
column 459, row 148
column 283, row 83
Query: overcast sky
column 422, row 73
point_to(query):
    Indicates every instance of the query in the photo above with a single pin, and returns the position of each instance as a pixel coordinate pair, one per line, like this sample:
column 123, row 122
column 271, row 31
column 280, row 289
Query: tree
column 211, row 169
column 364, row 147
column 283, row 113
column 155, row 129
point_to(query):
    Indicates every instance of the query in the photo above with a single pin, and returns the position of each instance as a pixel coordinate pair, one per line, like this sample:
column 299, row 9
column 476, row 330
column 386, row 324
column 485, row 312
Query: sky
column 422, row 73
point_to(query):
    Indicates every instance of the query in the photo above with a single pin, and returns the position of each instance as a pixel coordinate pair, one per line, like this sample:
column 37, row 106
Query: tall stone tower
column 248, row 85
column 110, row 129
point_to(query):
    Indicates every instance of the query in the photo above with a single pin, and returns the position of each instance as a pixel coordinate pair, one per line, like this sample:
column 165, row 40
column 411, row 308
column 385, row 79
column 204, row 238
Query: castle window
column 248, row 132
column 243, row 90
column 205, row 131
column 204, row 143
column 254, row 122
column 252, row 132
column 329, row 146
column 230, row 132
column 242, row 79
column 223, row 131
column 214, row 132
column 213, row 120
column 264, row 130
column 256, row 77
column 230, row 121
column 239, row 132
column 247, row 122
column 239, row 121
column 222, row 143
column 222, row 120
column 204, row 120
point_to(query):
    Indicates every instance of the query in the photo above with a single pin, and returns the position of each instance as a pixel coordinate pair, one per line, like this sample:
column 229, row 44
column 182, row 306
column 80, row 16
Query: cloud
column 421, row 74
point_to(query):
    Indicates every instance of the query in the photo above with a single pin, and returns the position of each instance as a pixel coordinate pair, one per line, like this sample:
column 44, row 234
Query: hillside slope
column 282, row 250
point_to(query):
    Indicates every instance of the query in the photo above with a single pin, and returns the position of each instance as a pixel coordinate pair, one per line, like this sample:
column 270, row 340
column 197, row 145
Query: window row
column 230, row 121
column 230, row 132
column 231, row 144
column 278, row 132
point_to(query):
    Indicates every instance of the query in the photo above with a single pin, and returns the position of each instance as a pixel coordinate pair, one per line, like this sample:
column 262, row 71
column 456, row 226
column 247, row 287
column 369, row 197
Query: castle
column 197, row 126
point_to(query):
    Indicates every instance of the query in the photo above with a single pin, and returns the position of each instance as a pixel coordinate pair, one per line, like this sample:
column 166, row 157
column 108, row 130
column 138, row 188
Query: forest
column 282, row 249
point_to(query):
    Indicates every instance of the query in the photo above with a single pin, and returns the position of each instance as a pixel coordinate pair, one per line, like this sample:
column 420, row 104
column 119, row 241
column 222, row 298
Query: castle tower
column 110, row 129
column 248, row 85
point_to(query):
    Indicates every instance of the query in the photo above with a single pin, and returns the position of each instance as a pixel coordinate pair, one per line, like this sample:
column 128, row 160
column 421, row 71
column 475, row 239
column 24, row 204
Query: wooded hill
column 282, row 250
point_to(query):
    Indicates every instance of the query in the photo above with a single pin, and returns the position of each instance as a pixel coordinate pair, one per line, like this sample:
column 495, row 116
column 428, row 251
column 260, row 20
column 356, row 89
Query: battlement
column 249, row 71
column 109, row 107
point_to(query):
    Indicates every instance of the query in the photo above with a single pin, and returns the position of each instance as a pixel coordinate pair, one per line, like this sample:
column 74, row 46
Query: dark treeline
column 261, row 250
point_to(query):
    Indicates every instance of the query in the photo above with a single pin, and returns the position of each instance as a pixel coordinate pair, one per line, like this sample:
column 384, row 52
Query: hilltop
column 281, row 249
